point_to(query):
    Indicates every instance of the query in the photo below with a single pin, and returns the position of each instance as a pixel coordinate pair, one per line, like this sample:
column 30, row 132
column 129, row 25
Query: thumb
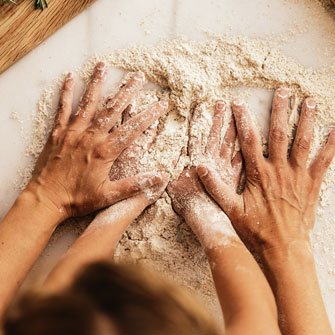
column 153, row 193
column 125, row 188
column 222, row 193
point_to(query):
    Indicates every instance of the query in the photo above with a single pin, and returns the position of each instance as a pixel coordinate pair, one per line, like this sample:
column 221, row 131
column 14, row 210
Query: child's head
column 113, row 300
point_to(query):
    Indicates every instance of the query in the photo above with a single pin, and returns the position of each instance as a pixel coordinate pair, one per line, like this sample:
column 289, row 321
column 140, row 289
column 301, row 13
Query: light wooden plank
column 22, row 28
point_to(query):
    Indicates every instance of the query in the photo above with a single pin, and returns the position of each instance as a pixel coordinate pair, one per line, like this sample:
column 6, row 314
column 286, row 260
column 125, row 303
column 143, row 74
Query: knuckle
column 260, row 175
column 100, row 151
column 302, row 144
column 83, row 143
column 62, row 106
column 265, row 180
column 325, row 161
column 249, row 139
column 279, row 105
column 86, row 101
column 134, row 188
column 55, row 135
column 278, row 135
column 257, row 172
column 69, row 137
column 308, row 114
column 297, row 163
column 111, row 104
column 86, row 141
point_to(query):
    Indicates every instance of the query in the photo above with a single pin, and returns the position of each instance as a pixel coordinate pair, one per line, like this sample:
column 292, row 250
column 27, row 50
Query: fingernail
column 101, row 66
column 69, row 76
column 149, row 179
column 139, row 76
column 202, row 171
column 310, row 103
column 282, row 93
column 238, row 102
column 164, row 104
column 157, row 179
column 220, row 105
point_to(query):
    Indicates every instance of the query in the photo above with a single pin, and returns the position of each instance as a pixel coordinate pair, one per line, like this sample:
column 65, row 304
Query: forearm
column 24, row 233
column 246, row 298
column 292, row 276
column 98, row 242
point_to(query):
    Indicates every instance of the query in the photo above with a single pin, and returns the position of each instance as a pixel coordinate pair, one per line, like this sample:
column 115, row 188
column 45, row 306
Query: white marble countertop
column 110, row 25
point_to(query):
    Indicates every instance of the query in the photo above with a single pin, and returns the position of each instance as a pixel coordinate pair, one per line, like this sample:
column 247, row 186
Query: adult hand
column 71, row 174
column 276, row 210
column 109, row 225
column 278, row 203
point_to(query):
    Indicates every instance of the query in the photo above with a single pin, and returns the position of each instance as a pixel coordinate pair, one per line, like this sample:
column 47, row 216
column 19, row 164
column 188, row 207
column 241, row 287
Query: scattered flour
column 189, row 73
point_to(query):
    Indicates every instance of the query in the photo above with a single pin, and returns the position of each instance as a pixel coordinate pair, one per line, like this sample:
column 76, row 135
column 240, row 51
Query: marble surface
column 109, row 25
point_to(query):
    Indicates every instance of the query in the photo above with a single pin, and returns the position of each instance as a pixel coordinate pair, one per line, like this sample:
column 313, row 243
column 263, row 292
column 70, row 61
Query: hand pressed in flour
column 109, row 225
column 129, row 162
column 278, row 203
column 276, row 210
column 247, row 301
column 71, row 174
column 189, row 198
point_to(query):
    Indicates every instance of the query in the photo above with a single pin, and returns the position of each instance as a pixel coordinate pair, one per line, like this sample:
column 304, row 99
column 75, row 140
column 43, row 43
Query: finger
column 126, row 134
column 214, row 138
column 222, row 193
column 114, row 106
column 196, row 134
column 324, row 159
column 124, row 117
column 151, row 136
column 126, row 114
column 303, row 138
column 237, row 164
column 89, row 101
column 125, row 188
column 247, row 135
column 154, row 193
column 134, row 205
column 278, row 127
column 65, row 102
column 228, row 144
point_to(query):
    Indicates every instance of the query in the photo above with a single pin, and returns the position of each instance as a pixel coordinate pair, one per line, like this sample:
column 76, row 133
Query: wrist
column 296, row 253
column 39, row 203
column 212, row 227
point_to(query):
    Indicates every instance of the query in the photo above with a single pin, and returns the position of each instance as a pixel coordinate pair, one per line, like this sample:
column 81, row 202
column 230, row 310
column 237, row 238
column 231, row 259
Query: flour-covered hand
column 190, row 199
column 72, row 172
column 277, row 206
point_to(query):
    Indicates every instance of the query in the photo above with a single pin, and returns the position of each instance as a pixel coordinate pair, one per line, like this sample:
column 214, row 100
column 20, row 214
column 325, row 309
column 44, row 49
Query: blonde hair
column 135, row 300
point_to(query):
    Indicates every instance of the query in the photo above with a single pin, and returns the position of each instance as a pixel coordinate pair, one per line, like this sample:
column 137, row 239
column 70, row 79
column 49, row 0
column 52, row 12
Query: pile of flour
column 190, row 73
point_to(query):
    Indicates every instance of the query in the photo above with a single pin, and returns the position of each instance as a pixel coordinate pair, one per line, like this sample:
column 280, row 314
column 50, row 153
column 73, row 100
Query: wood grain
column 22, row 28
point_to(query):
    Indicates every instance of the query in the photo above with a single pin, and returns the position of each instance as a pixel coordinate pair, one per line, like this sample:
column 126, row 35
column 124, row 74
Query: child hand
column 190, row 199
column 129, row 162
